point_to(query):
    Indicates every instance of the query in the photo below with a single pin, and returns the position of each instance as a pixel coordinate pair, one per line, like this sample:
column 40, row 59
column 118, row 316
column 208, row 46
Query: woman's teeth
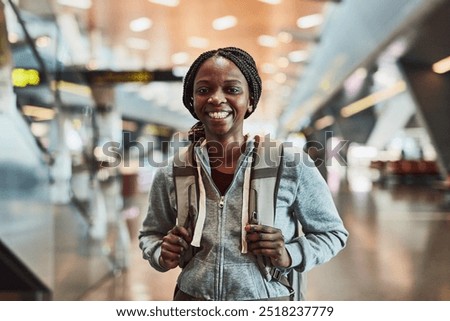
column 218, row 115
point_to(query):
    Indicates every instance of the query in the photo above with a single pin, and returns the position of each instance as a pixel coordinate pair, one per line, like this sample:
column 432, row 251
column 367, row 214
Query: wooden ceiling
column 172, row 28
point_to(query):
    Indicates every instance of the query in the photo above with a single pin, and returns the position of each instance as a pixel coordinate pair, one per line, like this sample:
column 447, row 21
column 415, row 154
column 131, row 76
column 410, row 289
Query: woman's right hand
column 173, row 246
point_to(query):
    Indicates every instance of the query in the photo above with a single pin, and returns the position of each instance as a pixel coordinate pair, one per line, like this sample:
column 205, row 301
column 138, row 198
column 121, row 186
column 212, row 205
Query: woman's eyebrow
column 230, row 81
column 233, row 81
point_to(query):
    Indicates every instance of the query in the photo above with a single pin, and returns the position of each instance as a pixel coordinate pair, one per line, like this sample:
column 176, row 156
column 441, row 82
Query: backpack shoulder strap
column 185, row 177
column 265, row 180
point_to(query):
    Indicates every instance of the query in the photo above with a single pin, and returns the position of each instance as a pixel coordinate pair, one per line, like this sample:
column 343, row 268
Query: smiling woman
column 246, row 67
column 222, row 88
column 206, row 213
column 221, row 99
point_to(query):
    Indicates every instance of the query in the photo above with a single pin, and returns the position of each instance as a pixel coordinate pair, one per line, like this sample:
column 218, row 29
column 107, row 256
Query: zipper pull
column 254, row 218
column 221, row 202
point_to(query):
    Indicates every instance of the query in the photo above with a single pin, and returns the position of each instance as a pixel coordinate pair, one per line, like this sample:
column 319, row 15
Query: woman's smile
column 219, row 114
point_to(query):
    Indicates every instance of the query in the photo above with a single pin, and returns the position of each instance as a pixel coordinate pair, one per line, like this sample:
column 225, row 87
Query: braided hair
column 240, row 58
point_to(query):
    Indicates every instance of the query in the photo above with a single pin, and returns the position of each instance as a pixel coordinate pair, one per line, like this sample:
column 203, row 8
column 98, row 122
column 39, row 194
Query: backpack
column 264, row 182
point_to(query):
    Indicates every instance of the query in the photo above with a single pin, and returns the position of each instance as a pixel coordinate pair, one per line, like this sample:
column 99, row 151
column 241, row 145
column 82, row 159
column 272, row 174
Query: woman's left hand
column 268, row 241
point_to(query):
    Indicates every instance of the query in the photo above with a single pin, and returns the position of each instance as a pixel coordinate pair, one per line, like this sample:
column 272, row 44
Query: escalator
column 50, row 247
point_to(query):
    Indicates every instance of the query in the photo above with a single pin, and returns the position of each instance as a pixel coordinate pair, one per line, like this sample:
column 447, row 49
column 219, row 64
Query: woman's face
column 221, row 99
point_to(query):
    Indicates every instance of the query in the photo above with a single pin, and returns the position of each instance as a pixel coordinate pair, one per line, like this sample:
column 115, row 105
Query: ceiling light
column 310, row 21
column 168, row 3
column 39, row 113
column 280, row 78
column 354, row 83
column 137, row 43
column 283, row 62
column 40, row 129
column 92, row 64
column 43, row 41
column 373, row 99
column 73, row 88
column 271, row 1
column 141, row 24
column 129, row 126
column 442, row 66
column 359, row 74
column 180, row 71
column 180, row 58
column 285, row 37
column 268, row 68
column 198, row 42
column 298, row 55
column 267, row 41
column 80, row 4
column 324, row 122
column 13, row 37
column 225, row 22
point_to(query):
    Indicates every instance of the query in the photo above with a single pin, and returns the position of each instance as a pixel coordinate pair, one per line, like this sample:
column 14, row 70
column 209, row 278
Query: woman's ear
column 249, row 111
column 250, row 105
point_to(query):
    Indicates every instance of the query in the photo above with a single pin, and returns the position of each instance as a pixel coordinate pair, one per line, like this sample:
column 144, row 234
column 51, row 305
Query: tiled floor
column 398, row 250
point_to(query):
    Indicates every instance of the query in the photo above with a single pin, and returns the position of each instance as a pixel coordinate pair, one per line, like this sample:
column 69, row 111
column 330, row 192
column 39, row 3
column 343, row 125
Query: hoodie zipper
column 221, row 205
column 221, row 202
column 221, row 224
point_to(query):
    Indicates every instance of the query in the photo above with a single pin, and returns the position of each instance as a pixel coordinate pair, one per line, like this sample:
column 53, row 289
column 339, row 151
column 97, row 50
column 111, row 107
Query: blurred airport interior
column 90, row 107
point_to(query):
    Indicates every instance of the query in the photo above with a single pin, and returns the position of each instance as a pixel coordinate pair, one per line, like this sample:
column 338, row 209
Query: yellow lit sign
column 25, row 77
column 99, row 77
column 157, row 130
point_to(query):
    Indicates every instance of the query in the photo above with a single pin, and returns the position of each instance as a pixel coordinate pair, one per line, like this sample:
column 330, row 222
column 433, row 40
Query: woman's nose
column 217, row 98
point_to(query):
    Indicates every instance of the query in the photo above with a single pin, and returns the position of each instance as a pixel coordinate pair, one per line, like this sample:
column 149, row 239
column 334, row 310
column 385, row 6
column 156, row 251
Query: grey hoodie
column 219, row 271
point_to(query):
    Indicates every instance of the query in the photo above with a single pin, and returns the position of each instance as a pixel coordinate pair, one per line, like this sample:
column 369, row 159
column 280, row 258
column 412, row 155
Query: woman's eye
column 202, row 90
column 234, row 90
